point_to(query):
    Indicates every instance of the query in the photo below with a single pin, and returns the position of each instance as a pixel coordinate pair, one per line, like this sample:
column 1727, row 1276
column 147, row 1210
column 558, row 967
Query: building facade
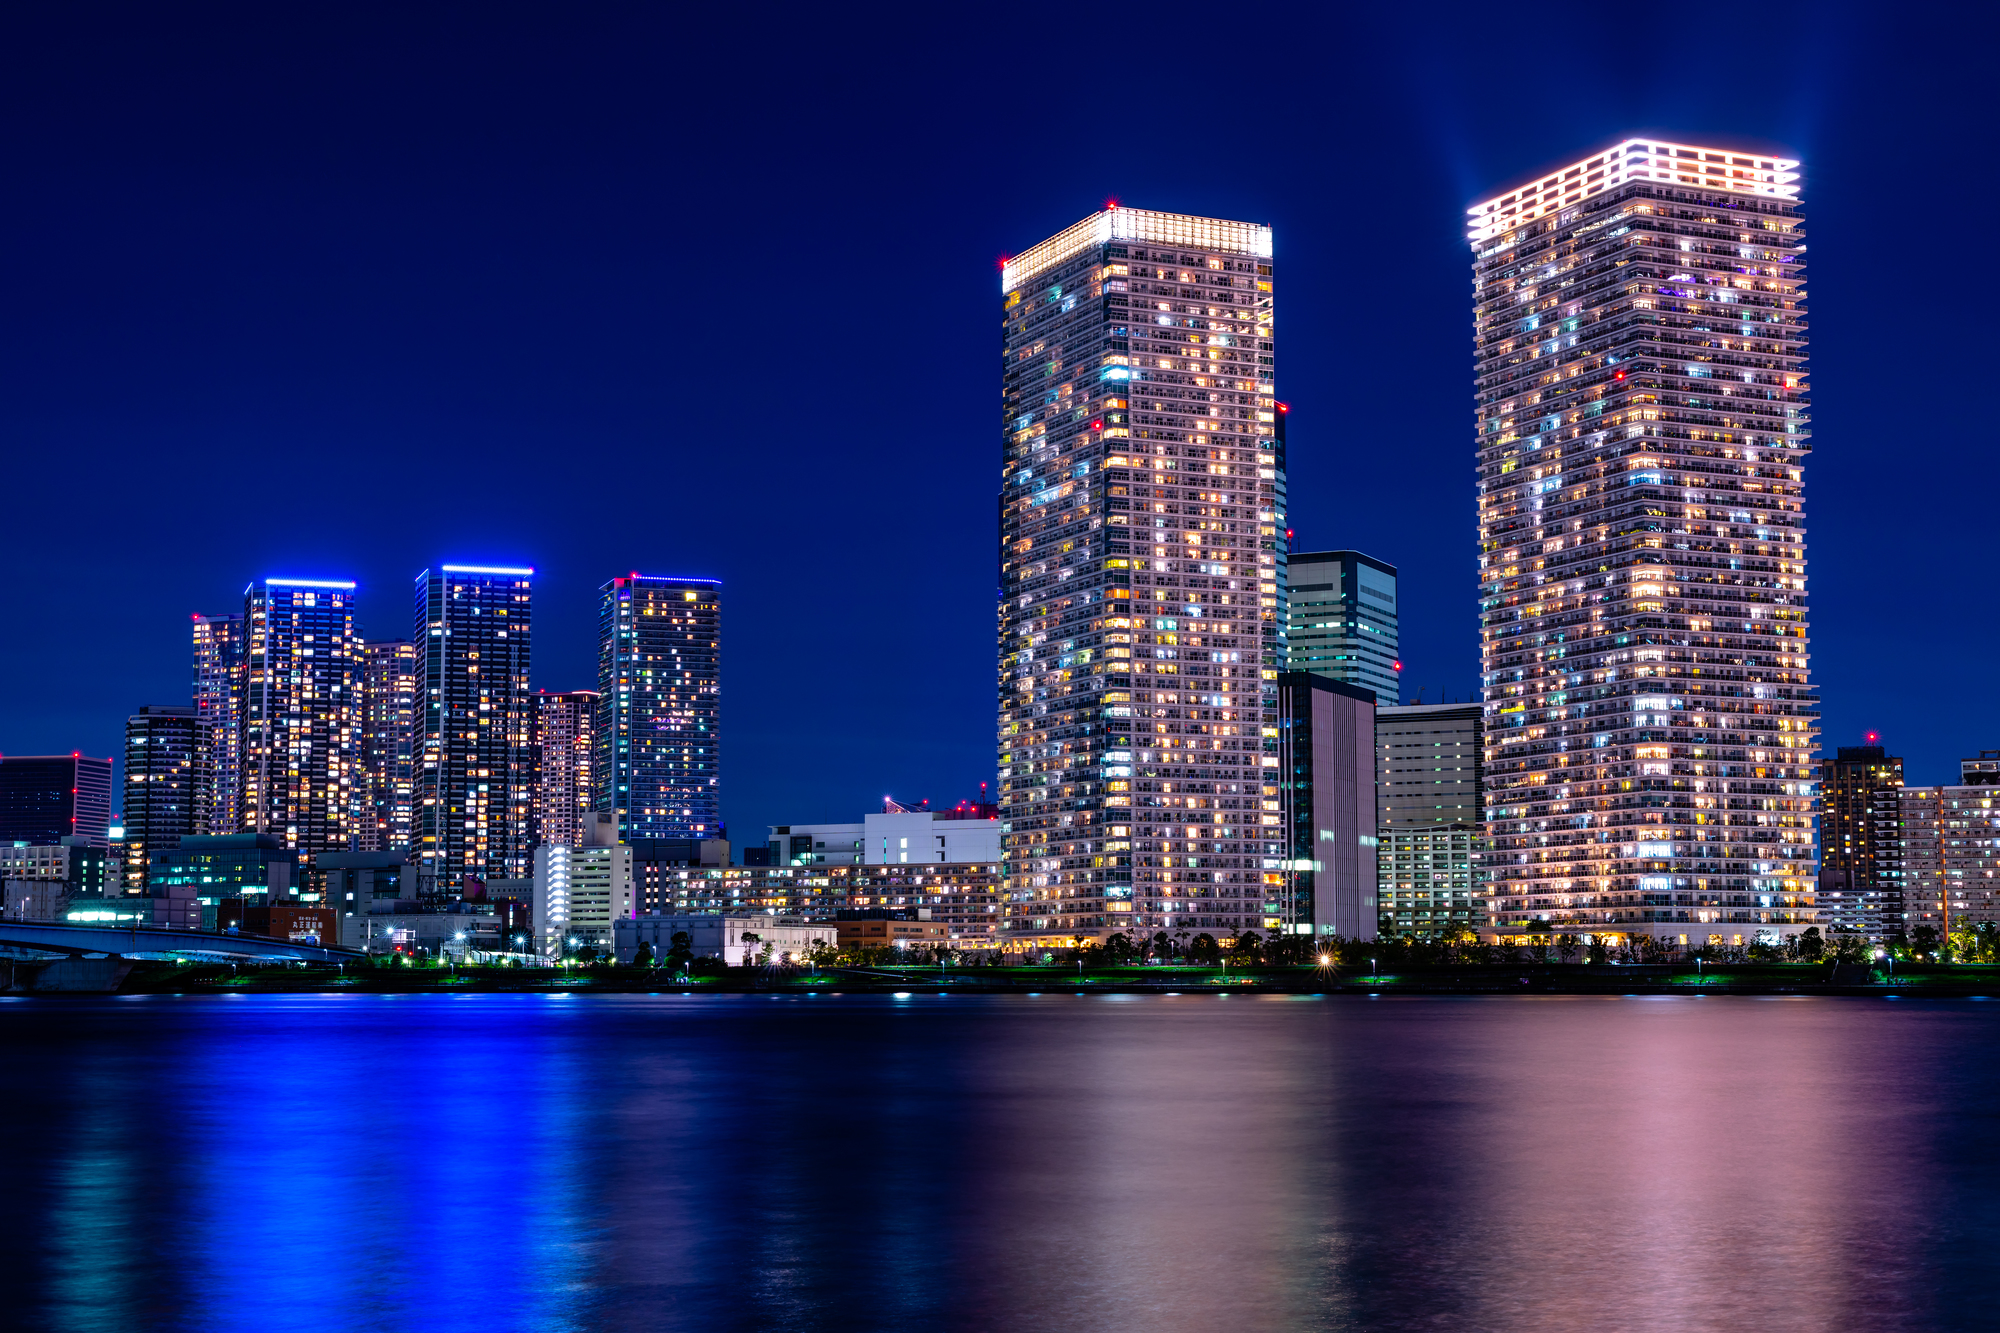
column 45, row 798
column 565, row 764
column 1947, row 859
column 474, row 754
column 579, row 892
column 659, row 672
column 221, row 670
column 189, row 883
column 1860, row 885
column 1325, row 884
column 901, row 837
column 963, row 899
column 735, row 940
column 1142, row 566
column 301, row 747
column 80, row 868
column 1340, row 621
column 168, row 784
column 388, row 742
column 1642, row 431
column 1430, row 804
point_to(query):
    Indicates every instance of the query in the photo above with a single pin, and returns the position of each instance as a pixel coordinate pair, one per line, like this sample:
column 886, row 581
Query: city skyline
column 268, row 347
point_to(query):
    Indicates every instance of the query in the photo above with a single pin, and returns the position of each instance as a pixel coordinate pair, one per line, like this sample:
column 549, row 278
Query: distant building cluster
column 1199, row 728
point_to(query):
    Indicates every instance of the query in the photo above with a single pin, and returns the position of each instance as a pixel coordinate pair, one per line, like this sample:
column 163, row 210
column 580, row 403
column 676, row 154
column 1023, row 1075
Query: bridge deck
column 64, row 938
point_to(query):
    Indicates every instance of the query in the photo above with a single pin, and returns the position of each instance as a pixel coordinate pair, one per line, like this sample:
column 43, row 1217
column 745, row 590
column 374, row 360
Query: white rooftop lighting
column 1137, row 224
column 1708, row 167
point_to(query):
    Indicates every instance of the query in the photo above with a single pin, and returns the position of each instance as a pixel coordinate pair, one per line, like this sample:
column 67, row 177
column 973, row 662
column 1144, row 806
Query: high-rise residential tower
column 301, row 747
column 167, row 784
column 1340, row 621
column 565, row 764
column 659, row 675
column 474, row 758
column 1642, row 433
column 388, row 738
column 1860, row 889
column 1946, row 860
column 219, row 674
column 1142, row 564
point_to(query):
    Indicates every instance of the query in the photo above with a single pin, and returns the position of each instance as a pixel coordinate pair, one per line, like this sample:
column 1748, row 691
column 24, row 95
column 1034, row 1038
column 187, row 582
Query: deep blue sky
column 333, row 290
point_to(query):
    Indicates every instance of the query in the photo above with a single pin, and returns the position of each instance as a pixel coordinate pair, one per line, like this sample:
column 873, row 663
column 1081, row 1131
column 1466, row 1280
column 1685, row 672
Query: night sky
column 337, row 291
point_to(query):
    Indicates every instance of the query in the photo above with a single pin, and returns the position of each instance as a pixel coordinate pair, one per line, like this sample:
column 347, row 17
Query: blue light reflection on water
column 574, row 1162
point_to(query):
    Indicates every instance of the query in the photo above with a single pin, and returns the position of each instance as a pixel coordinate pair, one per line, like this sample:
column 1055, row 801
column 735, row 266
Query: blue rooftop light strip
column 308, row 583
column 483, row 569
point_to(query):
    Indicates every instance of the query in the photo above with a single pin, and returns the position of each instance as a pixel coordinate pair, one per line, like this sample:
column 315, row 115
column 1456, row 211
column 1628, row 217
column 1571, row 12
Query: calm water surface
column 1019, row 1163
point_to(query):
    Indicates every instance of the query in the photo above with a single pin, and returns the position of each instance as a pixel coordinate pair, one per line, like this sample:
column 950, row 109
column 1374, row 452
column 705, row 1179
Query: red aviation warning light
column 1874, row 736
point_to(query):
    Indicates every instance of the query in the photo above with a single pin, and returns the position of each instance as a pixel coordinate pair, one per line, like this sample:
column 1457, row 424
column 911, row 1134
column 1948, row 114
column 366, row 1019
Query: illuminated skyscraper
column 1642, row 431
column 45, row 798
column 219, row 673
column 1142, row 566
column 1340, row 620
column 566, row 764
column 1860, row 888
column 301, row 755
column 166, row 791
column 659, row 672
column 475, row 779
column 388, row 734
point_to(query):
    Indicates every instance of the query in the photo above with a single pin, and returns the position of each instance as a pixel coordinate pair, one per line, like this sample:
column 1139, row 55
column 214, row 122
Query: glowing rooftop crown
column 1136, row 224
column 1635, row 159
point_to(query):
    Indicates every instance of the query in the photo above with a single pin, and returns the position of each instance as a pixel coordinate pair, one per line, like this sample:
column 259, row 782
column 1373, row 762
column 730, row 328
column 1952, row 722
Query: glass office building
column 1642, row 432
column 1430, row 812
column 659, row 678
column 1340, row 621
column 474, row 753
column 1141, row 568
column 45, row 798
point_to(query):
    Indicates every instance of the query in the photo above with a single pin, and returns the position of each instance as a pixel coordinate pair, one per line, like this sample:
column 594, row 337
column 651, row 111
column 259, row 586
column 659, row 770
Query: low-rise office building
column 81, row 868
column 964, row 899
column 35, row 899
column 451, row 931
column 735, row 938
column 579, row 893
column 279, row 919
column 877, row 928
column 189, row 882
column 897, row 837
